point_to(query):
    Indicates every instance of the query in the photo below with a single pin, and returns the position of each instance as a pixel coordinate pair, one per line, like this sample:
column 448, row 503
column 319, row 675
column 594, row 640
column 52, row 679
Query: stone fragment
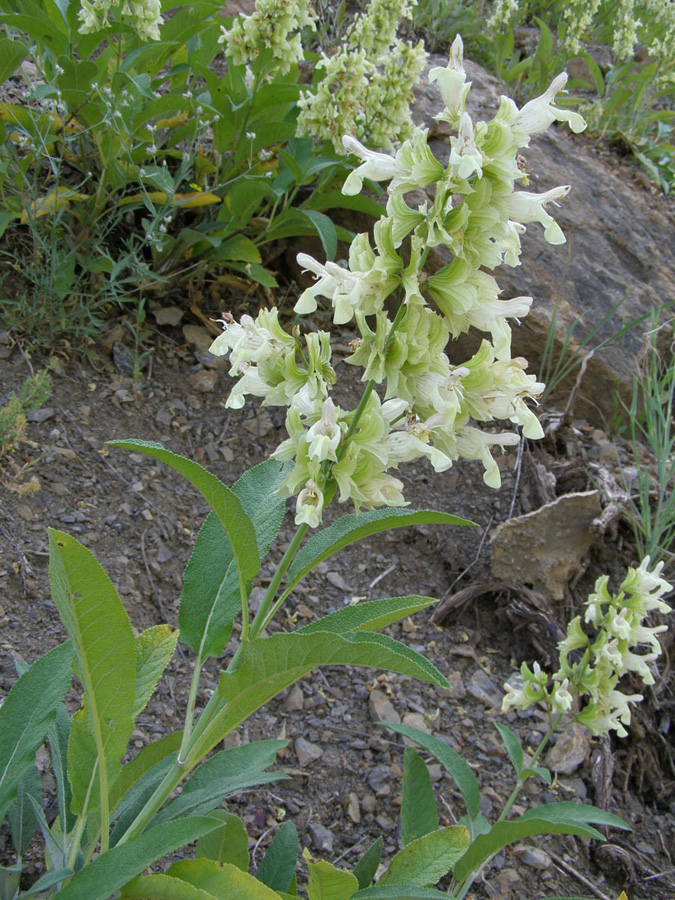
column 381, row 708
column 337, row 581
column 198, row 336
column 40, row 415
column 307, row 752
column 205, row 381
column 457, row 689
column 415, row 720
column 321, row 837
column 533, row 857
column 295, row 700
column 354, row 808
column 545, row 548
column 168, row 315
column 379, row 777
column 569, row 751
column 483, row 689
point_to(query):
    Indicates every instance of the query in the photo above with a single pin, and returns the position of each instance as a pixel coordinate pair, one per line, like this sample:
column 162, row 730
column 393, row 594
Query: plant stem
column 261, row 620
column 170, row 781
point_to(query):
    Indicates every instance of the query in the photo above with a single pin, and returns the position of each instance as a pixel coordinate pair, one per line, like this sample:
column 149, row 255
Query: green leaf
column 163, row 887
column 154, row 648
column 230, row 770
column 23, row 822
column 146, row 759
column 418, row 806
column 351, row 528
column 371, row 616
column 328, row 883
column 222, row 881
column 210, row 599
column 486, row 845
column 10, row 878
column 138, row 795
column 103, row 639
column 226, row 844
column 323, row 200
column 221, row 499
column 451, row 761
column 254, row 272
column 239, row 248
column 108, row 872
column 366, row 868
column 57, row 736
column 325, row 229
column 541, row 771
column 427, row 859
column 12, row 54
column 399, row 892
column 512, row 745
column 26, row 716
column 268, row 665
column 278, row 864
column 571, row 812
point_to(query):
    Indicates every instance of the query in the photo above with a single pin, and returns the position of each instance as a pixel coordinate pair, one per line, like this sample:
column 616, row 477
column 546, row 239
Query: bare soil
column 140, row 520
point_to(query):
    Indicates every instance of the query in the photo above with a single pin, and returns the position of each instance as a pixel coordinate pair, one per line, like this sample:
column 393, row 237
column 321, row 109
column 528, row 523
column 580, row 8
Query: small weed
column 33, row 394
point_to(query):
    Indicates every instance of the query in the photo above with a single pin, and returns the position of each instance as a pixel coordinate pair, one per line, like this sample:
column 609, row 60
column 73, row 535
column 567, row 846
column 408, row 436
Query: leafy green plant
column 651, row 495
column 33, row 394
column 115, row 819
column 440, row 21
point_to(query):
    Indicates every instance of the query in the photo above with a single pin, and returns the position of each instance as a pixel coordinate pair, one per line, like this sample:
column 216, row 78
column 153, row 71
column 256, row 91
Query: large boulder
column 620, row 247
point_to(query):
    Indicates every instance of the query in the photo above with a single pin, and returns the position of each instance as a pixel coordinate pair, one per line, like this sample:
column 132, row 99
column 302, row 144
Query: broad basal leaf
column 26, row 716
column 226, row 844
column 427, row 859
column 106, row 658
column 366, row 868
column 328, row 883
column 221, row 880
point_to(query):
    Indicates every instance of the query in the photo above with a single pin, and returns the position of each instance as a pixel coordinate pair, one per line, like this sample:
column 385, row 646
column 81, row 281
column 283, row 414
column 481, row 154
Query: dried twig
column 570, row 870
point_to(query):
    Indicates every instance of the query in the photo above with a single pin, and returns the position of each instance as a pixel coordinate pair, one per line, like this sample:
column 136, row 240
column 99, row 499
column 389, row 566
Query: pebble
column 483, row 688
column 295, row 700
column 381, row 708
column 415, row 720
column 40, row 415
column 307, row 752
column 457, row 690
column 337, row 581
column 378, row 778
column 321, row 837
column 533, row 857
column 205, row 381
column 569, row 751
column 354, row 808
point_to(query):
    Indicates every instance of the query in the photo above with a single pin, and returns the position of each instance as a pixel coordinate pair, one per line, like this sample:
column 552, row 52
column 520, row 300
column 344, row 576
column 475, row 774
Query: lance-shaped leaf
column 26, row 716
column 351, row 528
column 106, row 659
column 427, row 859
column 110, row 871
column 458, row 768
column 230, row 770
column 210, row 599
column 224, row 502
column 268, row 665
column 328, row 883
column 138, row 795
column 418, row 806
column 551, row 818
column 154, row 648
column 371, row 616
column 398, row 892
column 366, row 868
column 146, row 760
column 277, row 868
column 23, row 821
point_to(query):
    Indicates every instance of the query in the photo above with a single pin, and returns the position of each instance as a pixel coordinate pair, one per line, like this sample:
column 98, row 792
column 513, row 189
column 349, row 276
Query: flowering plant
column 114, row 819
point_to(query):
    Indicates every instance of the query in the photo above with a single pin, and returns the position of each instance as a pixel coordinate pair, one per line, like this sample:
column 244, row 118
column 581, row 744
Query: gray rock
column 545, row 548
column 534, row 858
column 381, row 708
column 570, row 750
column 483, row 688
column 307, row 752
column 321, row 837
